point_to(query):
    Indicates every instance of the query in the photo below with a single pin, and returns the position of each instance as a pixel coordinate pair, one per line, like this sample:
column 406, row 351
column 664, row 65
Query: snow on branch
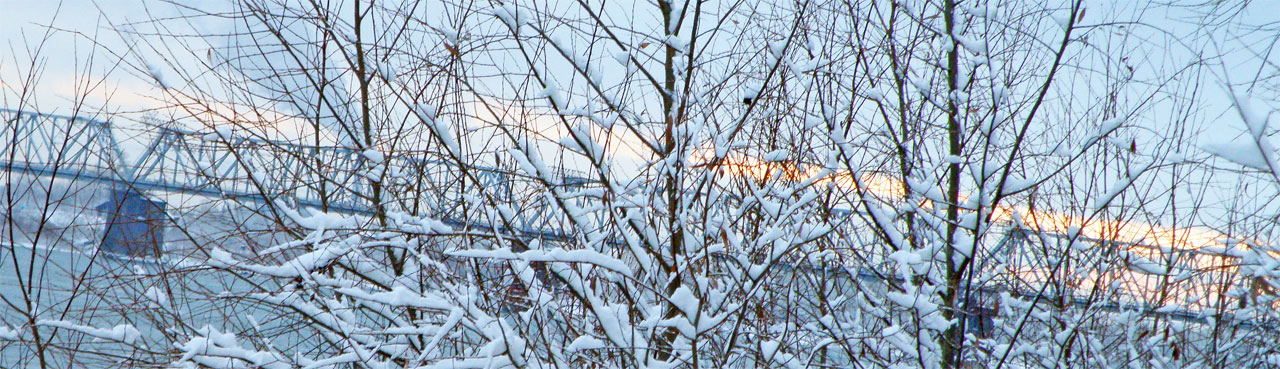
column 124, row 333
column 554, row 254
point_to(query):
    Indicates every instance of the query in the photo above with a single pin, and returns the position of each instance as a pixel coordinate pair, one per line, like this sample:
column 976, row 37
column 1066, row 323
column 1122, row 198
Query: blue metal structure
column 135, row 224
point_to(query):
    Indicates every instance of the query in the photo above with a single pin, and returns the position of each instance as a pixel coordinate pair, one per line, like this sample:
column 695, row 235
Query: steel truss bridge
column 262, row 172
column 256, row 171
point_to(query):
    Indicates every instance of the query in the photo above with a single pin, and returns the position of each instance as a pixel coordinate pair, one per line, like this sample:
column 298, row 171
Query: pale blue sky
column 22, row 23
column 22, row 26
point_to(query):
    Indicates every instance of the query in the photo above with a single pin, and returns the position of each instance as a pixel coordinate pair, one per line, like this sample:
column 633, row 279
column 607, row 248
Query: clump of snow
column 873, row 94
column 1256, row 151
column 511, row 15
column 777, row 156
column 584, row 343
column 1243, row 153
column 1109, row 125
column 387, row 72
column 302, row 265
column 555, row 254
column 399, row 296
column 551, row 91
column 921, row 304
column 777, row 48
column 1062, row 19
column 374, row 155
column 158, row 298
column 214, row 349
column 1144, row 265
column 976, row 46
column 10, row 334
column 318, row 220
column 1253, row 118
column 425, row 112
column 157, row 76
column 125, row 333
column 676, row 43
column 622, row 57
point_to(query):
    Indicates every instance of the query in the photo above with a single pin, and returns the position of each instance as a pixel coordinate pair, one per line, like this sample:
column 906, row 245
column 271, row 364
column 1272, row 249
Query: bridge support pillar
column 134, row 224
